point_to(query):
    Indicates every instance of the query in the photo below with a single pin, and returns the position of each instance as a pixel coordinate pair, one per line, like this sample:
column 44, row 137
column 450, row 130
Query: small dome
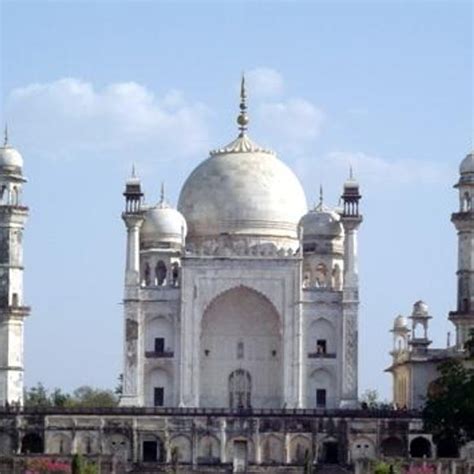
column 163, row 224
column 420, row 308
column 467, row 165
column 322, row 222
column 400, row 322
column 10, row 157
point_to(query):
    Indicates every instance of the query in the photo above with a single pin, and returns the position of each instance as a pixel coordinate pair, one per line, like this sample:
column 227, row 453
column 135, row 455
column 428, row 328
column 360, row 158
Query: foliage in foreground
column 449, row 410
column 82, row 397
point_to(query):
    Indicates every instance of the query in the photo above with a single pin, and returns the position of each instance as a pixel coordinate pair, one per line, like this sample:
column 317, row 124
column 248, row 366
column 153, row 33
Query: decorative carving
column 350, row 359
column 131, row 330
column 227, row 247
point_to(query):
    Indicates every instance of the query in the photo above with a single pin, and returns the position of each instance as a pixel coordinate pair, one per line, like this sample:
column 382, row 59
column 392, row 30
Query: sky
column 90, row 88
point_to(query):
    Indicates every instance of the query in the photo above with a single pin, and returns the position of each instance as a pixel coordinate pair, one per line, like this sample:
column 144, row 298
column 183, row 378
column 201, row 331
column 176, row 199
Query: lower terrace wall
column 146, row 440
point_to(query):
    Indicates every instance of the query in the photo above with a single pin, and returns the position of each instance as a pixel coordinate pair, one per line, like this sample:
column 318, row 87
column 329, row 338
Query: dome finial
column 134, row 174
column 5, row 135
column 162, row 193
column 351, row 172
column 321, row 195
column 243, row 119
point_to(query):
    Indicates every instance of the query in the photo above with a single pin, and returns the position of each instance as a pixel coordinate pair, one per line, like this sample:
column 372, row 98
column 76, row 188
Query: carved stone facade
column 241, row 296
column 198, row 441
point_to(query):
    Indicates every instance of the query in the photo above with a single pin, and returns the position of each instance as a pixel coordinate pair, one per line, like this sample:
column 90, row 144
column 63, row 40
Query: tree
column 119, row 387
column 449, row 410
column 82, row 397
column 77, row 464
column 370, row 401
column 469, row 344
column 37, row 396
column 88, row 397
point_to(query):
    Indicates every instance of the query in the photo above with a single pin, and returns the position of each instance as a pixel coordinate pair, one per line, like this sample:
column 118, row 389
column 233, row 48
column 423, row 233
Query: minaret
column 420, row 318
column 133, row 330
column 13, row 311
column 463, row 220
column 351, row 220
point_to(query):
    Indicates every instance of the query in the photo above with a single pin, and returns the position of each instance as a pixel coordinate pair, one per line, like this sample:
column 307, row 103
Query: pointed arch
column 238, row 327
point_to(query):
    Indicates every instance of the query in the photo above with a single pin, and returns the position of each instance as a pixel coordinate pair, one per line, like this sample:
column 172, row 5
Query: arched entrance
column 420, row 448
column 240, row 344
column 32, row 443
column 240, row 389
column 392, row 447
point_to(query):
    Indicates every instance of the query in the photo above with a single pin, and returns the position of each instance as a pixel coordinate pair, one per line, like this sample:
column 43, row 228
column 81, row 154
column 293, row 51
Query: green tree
column 37, row 396
column 77, row 464
column 469, row 344
column 119, row 387
column 449, row 410
column 89, row 397
column 370, row 399
column 82, row 397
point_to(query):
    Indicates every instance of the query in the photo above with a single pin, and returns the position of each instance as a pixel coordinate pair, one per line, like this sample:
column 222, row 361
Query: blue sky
column 88, row 88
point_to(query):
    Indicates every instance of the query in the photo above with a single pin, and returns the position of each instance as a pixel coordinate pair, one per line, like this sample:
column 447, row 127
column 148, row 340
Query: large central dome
column 242, row 190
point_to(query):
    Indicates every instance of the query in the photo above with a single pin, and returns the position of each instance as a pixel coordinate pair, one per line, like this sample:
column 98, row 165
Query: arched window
column 240, row 388
column 466, row 202
column 240, row 350
column 420, row 448
column 321, row 275
column 161, row 273
column 336, row 277
column 175, row 274
column 15, row 299
column 4, row 195
column 15, row 196
column 32, row 443
column 147, row 275
column 392, row 447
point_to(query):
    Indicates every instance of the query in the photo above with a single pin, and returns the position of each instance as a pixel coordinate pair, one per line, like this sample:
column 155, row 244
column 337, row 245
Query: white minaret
column 351, row 220
column 13, row 311
column 463, row 220
column 133, row 330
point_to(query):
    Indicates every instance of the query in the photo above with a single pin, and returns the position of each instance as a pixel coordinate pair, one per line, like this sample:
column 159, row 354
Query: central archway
column 240, row 334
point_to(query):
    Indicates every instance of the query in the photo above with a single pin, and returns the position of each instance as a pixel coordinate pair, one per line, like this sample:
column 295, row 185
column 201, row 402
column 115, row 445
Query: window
column 321, row 346
column 320, row 398
column 240, row 350
column 161, row 271
column 159, row 396
column 159, row 344
column 147, row 274
column 150, row 451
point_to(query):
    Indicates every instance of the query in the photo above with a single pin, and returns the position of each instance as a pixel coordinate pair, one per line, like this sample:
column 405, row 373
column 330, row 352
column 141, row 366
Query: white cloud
column 379, row 170
column 292, row 125
column 375, row 174
column 264, row 82
column 70, row 115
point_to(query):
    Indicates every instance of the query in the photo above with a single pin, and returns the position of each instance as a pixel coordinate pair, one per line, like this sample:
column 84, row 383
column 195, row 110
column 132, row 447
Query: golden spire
column 243, row 118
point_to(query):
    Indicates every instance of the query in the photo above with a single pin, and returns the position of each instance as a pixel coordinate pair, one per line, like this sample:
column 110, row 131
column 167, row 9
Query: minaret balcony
column 18, row 311
column 159, row 354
